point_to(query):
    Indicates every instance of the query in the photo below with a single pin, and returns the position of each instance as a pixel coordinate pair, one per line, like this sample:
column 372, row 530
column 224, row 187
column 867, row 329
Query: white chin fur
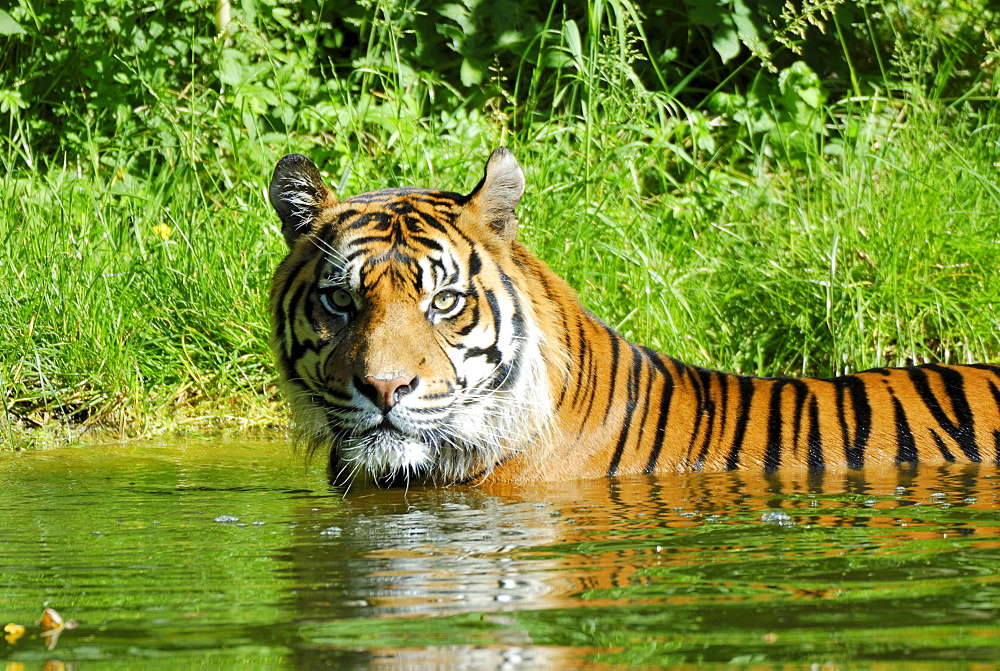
column 384, row 454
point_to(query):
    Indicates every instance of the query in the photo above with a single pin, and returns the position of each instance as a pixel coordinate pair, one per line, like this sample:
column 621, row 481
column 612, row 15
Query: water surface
column 209, row 554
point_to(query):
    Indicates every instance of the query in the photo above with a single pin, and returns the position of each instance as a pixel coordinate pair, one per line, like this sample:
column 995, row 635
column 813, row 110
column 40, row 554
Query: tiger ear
column 499, row 192
column 298, row 195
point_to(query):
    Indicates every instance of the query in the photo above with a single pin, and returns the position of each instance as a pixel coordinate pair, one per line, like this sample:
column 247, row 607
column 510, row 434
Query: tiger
column 418, row 340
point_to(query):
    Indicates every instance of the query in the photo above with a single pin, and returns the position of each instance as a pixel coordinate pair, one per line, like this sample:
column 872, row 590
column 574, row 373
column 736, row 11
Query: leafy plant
column 814, row 194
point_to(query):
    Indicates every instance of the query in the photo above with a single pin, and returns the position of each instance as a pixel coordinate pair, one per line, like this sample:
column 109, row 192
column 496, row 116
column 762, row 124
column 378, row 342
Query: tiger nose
column 386, row 393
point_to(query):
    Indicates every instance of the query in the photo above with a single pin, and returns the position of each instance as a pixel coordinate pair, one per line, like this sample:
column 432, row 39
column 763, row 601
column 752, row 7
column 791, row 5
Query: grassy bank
column 803, row 233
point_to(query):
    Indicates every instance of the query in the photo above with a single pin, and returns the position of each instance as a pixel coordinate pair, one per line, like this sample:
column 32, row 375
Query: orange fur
column 594, row 404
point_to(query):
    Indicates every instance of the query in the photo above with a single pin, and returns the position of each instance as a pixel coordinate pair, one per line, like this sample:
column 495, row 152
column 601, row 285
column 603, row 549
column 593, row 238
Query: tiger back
column 417, row 339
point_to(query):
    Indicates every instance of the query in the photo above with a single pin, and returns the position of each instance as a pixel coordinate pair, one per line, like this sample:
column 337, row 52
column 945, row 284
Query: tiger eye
column 444, row 301
column 341, row 298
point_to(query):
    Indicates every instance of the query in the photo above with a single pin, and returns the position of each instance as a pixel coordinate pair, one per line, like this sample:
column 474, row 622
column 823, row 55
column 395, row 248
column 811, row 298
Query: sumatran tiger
column 418, row 340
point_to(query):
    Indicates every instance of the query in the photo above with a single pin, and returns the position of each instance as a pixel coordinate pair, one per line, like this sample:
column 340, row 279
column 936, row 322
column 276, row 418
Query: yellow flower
column 162, row 230
column 14, row 632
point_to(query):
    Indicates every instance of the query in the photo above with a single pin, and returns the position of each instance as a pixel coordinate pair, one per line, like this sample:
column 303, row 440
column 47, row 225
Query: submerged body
column 418, row 339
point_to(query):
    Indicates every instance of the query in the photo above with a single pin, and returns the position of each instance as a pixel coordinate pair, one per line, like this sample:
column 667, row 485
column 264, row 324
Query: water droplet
column 776, row 517
column 227, row 518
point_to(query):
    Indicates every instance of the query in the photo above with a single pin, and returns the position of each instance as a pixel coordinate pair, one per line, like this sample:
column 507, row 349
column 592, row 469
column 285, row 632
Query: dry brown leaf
column 51, row 619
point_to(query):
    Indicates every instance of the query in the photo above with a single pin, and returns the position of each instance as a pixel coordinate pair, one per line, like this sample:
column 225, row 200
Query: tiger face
column 401, row 340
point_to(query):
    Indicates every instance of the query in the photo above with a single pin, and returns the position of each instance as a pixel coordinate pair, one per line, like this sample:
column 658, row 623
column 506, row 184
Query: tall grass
column 879, row 255
column 125, row 301
column 851, row 233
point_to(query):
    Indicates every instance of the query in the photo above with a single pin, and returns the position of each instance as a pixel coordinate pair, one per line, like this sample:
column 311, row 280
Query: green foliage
column 8, row 26
column 745, row 203
column 161, row 82
column 157, row 81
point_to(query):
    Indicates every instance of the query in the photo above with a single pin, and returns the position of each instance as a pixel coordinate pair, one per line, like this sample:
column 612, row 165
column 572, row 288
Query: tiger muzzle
column 385, row 393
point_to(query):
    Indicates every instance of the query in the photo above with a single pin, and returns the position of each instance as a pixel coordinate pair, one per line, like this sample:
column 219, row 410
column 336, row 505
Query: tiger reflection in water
column 677, row 541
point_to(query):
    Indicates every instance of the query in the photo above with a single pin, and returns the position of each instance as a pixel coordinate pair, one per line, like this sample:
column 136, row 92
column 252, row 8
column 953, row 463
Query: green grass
column 851, row 233
column 880, row 254
column 104, row 321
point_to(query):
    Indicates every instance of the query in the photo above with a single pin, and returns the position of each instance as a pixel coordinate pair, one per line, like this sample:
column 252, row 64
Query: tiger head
column 402, row 340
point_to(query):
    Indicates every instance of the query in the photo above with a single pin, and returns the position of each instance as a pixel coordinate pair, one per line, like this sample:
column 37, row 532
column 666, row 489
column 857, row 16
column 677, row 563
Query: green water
column 221, row 555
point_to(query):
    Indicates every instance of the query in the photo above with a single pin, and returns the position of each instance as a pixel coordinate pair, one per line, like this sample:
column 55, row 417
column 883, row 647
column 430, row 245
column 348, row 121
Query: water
column 214, row 555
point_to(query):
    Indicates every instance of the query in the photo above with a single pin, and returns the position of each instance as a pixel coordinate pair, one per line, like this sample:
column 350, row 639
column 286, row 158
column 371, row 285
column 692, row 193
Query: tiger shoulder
column 418, row 340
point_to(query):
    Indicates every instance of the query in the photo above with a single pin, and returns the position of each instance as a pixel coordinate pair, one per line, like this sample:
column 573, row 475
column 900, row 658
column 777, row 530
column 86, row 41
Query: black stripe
column 354, row 253
column 281, row 319
column 344, row 399
column 987, row 367
column 746, row 396
column 862, row 420
column 706, row 379
column 474, row 319
column 995, row 392
column 962, row 431
column 666, row 393
column 772, row 453
column 816, row 462
column 566, row 377
column 429, row 243
column 801, row 391
column 359, row 245
column 494, row 312
column 311, row 375
column 440, row 410
column 382, row 195
column 996, row 399
column 505, row 376
column 361, row 220
column 906, row 450
column 517, row 315
column 942, row 447
column 724, row 379
column 630, row 405
column 615, row 356
column 435, row 223
column 475, row 265
column 583, row 354
column 491, row 353
column 437, row 396
column 432, row 220
column 844, row 430
column 565, row 337
column 643, row 361
column 344, row 215
column 692, row 374
column 290, row 279
column 591, row 382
